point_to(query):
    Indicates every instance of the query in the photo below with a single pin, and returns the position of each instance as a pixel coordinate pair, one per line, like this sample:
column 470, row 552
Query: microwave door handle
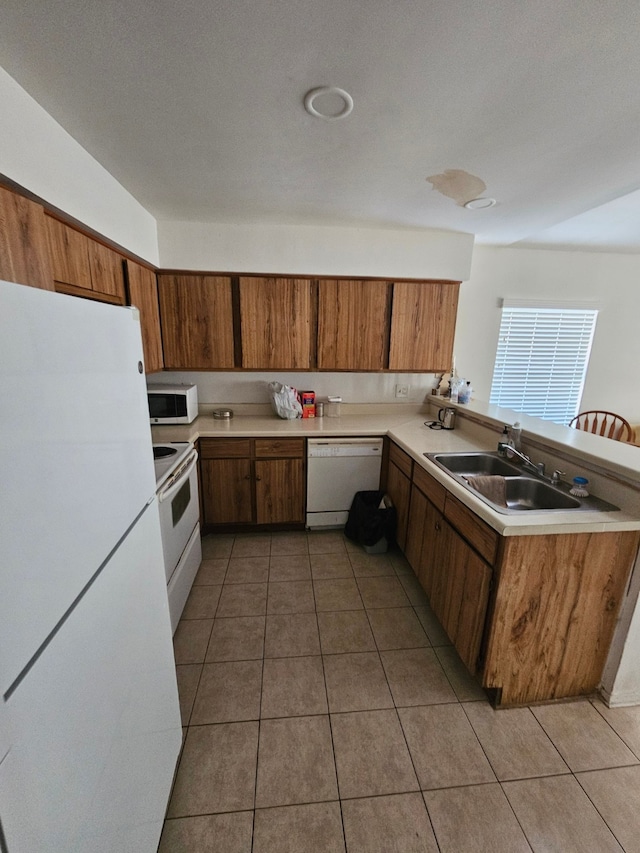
column 178, row 478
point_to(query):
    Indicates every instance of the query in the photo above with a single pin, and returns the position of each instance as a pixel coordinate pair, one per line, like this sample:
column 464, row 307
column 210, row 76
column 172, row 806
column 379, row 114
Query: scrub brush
column 579, row 488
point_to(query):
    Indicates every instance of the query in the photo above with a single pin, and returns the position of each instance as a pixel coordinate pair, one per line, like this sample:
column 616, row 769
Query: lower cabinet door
column 399, row 490
column 226, row 491
column 280, row 494
column 462, row 594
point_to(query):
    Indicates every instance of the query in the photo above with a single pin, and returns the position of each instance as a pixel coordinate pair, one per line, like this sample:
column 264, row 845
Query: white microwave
column 172, row 404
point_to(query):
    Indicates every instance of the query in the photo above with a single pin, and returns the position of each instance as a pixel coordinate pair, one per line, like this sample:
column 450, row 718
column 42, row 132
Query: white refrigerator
column 89, row 717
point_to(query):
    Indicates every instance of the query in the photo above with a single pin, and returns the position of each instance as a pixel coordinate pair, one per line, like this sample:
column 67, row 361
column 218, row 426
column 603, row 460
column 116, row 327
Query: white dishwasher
column 337, row 468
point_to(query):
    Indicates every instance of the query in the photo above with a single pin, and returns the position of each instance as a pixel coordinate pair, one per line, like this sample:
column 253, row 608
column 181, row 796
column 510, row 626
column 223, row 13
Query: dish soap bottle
column 515, row 435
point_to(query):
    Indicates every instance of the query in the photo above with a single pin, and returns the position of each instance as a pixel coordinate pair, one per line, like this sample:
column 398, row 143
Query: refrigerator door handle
column 178, row 478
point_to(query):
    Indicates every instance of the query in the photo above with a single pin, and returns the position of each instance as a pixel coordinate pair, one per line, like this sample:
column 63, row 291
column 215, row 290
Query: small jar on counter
column 320, row 410
column 333, row 407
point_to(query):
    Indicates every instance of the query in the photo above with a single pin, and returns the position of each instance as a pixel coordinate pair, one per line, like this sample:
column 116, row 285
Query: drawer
column 223, row 448
column 429, row 487
column 478, row 534
column 403, row 461
column 280, row 447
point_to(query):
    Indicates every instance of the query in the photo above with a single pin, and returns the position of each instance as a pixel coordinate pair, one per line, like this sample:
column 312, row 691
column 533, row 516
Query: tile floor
column 326, row 712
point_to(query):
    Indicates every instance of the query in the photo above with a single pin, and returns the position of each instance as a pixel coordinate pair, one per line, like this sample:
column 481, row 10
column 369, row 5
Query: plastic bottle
column 515, row 435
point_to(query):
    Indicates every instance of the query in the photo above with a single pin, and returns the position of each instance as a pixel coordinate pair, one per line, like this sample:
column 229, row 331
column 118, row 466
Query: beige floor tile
column 228, row 692
column 624, row 721
column 616, row 795
column 292, row 542
column 330, row 566
column 220, row 833
column 582, row 736
column 356, row 682
column 556, row 815
column 345, row 631
column 313, row 828
column 248, row 570
column 211, row 572
column 371, row 565
column 464, row 684
column 236, row 638
column 217, row 546
column 252, row 545
column 397, row 628
column 326, row 542
column 243, row 599
column 444, row 748
column 371, row 754
column 476, row 819
column 295, row 762
column 217, row 770
column 337, row 595
column 291, row 635
column 191, row 640
column 290, row 567
column 383, row 824
column 514, row 742
column 435, row 632
column 291, row 597
column 400, row 563
column 382, row 592
column 411, row 585
column 293, row 687
column 416, row 677
column 188, row 677
column 202, row 602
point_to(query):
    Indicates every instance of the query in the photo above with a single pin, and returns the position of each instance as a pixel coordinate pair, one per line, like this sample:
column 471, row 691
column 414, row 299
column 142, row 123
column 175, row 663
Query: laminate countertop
column 614, row 474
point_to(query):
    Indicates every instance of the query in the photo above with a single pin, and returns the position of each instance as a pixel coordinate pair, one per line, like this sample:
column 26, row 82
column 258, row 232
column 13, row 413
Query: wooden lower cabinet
column 398, row 488
column 531, row 616
column 252, row 481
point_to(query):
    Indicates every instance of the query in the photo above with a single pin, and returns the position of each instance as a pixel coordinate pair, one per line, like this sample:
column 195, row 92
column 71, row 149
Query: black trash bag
column 367, row 523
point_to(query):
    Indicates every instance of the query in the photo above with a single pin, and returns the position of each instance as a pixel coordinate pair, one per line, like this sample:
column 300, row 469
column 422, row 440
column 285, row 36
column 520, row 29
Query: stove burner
column 161, row 452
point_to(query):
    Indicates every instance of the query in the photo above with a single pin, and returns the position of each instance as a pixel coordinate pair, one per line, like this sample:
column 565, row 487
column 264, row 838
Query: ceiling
column 197, row 109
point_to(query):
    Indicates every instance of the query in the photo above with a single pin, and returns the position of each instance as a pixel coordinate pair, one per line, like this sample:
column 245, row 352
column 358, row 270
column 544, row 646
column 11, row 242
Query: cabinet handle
column 247, row 476
column 258, row 478
column 438, row 526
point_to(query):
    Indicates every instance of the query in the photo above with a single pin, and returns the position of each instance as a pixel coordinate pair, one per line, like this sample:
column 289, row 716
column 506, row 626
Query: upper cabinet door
column 83, row 264
column 276, row 323
column 197, row 321
column 353, row 324
column 143, row 293
column 423, row 323
column 24, row 253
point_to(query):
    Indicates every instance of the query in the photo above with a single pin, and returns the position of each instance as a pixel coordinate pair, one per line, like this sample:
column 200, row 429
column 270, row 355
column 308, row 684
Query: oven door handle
column 176, row 481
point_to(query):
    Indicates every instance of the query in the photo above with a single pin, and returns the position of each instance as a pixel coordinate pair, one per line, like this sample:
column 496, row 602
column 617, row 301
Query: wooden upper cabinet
column 24, row 253
column 423, row 323
column 353, row 324
column 83, row 266
column 196, row 316
column 142, row 290
column 276, row 322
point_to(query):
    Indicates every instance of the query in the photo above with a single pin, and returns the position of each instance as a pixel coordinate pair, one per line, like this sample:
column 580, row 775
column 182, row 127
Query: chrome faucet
column 508, row 450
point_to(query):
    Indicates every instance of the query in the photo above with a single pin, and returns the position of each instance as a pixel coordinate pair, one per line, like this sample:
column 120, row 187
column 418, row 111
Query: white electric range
column 177, row 491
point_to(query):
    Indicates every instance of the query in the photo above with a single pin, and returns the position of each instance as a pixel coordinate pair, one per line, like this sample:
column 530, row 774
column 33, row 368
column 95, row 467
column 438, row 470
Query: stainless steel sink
column 524, row 490
column 475, row 464
column 526, row 493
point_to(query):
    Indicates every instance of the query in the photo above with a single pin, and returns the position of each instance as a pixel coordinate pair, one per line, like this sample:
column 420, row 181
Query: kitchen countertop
column 406, row 427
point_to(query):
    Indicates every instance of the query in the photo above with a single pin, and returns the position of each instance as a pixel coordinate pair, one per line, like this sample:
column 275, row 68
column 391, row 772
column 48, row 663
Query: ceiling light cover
column 328, row 102
column 480, row 203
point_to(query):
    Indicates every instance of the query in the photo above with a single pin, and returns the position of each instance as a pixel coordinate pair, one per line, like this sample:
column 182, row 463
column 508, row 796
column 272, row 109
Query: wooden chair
column 606, row 424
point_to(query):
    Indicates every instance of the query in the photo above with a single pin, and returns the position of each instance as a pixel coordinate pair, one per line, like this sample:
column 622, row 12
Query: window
column 541, row 360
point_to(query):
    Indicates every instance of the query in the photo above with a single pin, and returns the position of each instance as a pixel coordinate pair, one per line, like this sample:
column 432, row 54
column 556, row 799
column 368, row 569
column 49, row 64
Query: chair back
column 607, row 424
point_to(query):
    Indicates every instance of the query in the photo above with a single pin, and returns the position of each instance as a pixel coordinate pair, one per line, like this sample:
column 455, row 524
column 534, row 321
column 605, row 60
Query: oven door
column 179, row 511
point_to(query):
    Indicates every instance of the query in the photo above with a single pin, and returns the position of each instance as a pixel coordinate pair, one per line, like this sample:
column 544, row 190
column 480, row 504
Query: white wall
column 37, row 153
column 611, row 280
column 308, row 250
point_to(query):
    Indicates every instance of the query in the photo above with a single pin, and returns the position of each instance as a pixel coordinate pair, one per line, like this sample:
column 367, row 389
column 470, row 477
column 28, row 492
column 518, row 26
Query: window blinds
column 541, row 360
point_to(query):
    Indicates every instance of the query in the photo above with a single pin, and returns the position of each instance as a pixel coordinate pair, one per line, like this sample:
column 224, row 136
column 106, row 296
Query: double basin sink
column 522, row 490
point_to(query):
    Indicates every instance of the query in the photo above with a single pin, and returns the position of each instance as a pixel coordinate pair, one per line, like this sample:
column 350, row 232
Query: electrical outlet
column 402, row 390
